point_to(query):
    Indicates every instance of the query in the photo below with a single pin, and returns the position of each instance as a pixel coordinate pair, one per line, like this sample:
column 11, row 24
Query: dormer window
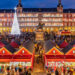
column 3, row 51
column 73, row 51
column 23, row 51
column 54, row 51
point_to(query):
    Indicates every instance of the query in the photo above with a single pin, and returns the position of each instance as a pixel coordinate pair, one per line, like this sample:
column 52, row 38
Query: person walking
column 74, row 72
column 49, row 73
column 56, row 72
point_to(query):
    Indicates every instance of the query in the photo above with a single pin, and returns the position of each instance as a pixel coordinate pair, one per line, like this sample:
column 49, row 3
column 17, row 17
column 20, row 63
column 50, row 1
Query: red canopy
column 63, row 45
column 14, row 44
column 1, row 44
column 15, row 56
column 60, row 56
column 65, row 32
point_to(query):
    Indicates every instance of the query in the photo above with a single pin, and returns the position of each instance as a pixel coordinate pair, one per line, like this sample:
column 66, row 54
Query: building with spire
column 59, row 6
column 54, row 19
column 19, row 7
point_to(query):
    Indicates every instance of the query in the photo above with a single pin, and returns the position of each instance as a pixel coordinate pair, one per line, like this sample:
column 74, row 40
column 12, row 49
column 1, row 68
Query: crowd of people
column 60, row 71
column 56, row 38
column 31, row 36
column 21, row 38
column 15, row 70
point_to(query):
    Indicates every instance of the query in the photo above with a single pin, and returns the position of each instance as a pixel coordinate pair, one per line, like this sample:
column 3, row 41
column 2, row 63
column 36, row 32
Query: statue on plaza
column 40, row 26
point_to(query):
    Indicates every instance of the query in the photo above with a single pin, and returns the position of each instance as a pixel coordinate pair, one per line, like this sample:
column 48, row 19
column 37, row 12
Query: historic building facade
column 54, row 19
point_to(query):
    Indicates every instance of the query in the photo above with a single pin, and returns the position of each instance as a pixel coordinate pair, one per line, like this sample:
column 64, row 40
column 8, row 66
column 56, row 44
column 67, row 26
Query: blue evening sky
column 36, row 3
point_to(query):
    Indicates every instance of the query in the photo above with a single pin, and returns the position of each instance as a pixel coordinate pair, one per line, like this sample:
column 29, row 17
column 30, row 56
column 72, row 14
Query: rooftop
column 38, row 10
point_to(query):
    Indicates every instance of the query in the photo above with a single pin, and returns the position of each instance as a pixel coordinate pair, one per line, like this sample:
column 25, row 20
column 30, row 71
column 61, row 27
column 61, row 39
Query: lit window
column 3, row 51
column 53, row 51
column 0, row 24
column 73, row 51
column 23, row 51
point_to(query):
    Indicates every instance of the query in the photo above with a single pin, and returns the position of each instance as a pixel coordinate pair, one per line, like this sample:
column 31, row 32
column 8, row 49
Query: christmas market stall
column 6, row 55
column 24, row 57
column 69, row 59
column 53, row 56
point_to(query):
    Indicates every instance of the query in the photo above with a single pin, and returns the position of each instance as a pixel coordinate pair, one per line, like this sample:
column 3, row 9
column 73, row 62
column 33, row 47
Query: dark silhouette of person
column 56, row 72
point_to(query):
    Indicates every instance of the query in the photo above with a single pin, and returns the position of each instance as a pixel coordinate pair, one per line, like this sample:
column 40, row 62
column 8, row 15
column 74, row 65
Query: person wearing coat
column 56, row 72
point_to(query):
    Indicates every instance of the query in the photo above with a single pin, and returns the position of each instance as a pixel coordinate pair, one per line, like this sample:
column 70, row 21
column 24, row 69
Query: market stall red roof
column 57, row 58
column 23, row 51
column 71, row 51
column 54, row 51
column 14, row 44
column 63, row 44
column 4, row 51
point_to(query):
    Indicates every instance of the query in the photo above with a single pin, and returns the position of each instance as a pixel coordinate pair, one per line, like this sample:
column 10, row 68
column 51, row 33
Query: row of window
column 28, row 24
column 56, row 20
column 35, row 24
column 68, row 20
column 69, row 24
column 52, row 15
column 36, row 19
column 6, row 15
column 6, row 24
column 6, row 20
column 29, row 19
column 36, row 14
column 54, row 24
column 28, row 15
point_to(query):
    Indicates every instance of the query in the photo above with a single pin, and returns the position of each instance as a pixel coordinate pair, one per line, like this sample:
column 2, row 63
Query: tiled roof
column 29, row 45
column 4, row 42
column 48, row 45
column 60, row 42
column 67, row 48
column 38, row 10
column 18, row 42
column 7, row 11
column 10, row 48
column 69, row 11
column 72, row 43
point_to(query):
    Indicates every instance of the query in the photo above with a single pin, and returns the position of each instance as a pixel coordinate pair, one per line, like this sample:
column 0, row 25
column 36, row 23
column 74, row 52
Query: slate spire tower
column 19, row 7
column 59, row 7
column 59, row 3
column 19, row 1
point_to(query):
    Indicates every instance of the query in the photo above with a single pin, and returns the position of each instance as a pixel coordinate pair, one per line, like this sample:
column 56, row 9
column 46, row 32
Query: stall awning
column 15, row 56
column 65, row 33
column 60, row 57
